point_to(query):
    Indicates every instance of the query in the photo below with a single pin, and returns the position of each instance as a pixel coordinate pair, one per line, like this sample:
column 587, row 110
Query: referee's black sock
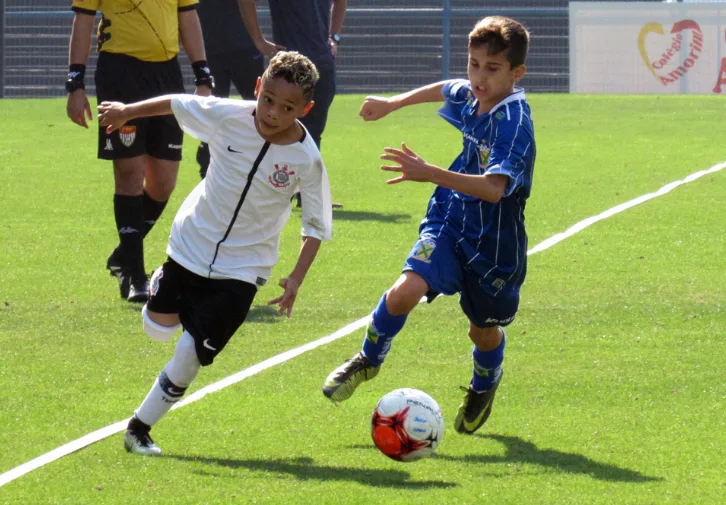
column 152, row 211
column 129, row 213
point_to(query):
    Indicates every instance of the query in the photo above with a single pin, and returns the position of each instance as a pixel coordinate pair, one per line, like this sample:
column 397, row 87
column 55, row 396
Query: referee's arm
column 190, row 33
column 77, row 106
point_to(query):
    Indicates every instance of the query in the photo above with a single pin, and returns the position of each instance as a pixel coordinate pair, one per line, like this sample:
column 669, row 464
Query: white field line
column 119, row 426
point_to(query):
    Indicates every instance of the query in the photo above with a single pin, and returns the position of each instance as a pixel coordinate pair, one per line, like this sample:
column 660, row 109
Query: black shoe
column 475, row 409
column 138, row 441
column 138, row 289
column 341, row 383
column 115, row 269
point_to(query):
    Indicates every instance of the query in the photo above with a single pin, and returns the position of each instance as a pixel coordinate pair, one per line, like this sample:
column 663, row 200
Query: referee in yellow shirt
column 138, row 42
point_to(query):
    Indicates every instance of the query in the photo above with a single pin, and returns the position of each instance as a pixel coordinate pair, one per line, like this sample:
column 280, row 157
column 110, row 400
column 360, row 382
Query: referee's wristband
column 202, row 74
column 76, row 77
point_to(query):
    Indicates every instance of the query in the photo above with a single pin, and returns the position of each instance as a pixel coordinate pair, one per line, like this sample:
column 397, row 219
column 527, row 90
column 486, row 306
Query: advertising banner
column 638, row 47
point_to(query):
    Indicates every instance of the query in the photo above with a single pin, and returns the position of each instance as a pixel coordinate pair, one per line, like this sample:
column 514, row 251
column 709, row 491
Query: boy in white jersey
column 225, row 237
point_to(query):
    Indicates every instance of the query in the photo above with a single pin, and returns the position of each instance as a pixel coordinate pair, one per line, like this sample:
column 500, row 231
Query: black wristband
column 202, row 74
column 76, row 77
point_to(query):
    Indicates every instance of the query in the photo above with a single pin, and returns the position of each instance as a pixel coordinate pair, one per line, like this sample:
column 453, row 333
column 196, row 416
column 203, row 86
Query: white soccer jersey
column 229, row 225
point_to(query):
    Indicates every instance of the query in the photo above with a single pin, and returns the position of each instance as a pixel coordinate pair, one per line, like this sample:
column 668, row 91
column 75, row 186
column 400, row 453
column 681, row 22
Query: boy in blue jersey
column 472, row 240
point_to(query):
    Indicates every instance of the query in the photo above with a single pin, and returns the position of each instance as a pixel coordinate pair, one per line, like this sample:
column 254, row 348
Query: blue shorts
column 441, row 263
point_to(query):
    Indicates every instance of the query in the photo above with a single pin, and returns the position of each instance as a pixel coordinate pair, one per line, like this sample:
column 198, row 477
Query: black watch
column 72, row 85
column 335, row 38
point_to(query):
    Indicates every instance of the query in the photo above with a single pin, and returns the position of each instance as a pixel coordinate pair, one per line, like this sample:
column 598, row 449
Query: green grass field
column 614, row 391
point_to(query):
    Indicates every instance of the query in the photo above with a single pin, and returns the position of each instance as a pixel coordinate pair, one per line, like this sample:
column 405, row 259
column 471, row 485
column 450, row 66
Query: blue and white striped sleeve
column 456, row 93
column 512, row 148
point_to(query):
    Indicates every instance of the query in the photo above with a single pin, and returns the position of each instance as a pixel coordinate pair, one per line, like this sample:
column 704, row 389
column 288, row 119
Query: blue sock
column 380, row 332
column 487, row 366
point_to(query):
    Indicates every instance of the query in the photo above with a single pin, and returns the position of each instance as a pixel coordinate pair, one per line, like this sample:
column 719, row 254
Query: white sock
column 172, row 382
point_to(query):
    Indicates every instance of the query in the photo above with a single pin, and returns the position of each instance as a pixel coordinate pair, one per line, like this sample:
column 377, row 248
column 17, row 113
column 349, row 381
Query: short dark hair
column 295, row 69
column 499, row 34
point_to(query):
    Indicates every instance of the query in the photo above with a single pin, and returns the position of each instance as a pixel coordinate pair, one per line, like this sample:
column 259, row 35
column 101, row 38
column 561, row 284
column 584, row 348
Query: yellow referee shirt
column 145, row 29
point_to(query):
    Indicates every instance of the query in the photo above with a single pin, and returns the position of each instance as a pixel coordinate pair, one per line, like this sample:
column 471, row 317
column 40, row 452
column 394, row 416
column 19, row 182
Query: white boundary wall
column 648, row 48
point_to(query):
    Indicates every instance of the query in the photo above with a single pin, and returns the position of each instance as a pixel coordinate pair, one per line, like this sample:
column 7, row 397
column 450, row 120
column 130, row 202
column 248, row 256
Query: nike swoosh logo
column 205, row 344
column 229, row 148
column 173, row 391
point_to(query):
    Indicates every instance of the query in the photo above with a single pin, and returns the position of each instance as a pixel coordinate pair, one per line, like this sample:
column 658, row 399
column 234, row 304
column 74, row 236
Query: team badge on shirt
column 424, row 250
column 280, row 178
column 483, row 155
column 127, row 134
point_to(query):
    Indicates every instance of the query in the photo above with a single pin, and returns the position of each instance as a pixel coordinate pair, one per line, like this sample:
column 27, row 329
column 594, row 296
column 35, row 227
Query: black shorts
column 211, row 310
column 122, row 78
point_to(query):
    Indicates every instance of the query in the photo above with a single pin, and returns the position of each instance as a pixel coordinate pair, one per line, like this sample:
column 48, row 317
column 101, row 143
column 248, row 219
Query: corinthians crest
column 127, row 134
column 280, row 178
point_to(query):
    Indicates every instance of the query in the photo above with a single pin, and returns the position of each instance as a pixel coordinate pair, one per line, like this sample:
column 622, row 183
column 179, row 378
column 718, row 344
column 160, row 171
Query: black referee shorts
column 211, row 310
column 122, row 78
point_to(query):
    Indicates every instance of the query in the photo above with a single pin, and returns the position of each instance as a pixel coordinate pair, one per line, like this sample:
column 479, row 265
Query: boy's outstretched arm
column 412, row 167
column 113, row 115
column 291, row 283
column 376, row 107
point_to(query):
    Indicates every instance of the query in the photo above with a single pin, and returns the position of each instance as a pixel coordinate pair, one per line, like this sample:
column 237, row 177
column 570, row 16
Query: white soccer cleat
column 139, row 442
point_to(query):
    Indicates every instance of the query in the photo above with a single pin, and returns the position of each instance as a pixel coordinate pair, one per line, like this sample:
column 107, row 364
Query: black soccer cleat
column 138, row 441
column 341, row 383
column 475, row 409
column 138, row 289
column 115, row 269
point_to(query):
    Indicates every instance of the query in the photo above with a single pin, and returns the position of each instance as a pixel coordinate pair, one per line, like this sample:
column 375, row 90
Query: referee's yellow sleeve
column 185, row 4
column 88, row 6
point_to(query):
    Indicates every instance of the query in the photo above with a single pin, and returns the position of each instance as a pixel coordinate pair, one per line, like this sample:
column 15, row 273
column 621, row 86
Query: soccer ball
column 407, row 425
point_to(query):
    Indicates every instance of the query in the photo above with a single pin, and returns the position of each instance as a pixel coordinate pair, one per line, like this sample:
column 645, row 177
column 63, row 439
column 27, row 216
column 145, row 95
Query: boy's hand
column 410, row 164
column 111, row 115
column 375, row 107
column 287, row 299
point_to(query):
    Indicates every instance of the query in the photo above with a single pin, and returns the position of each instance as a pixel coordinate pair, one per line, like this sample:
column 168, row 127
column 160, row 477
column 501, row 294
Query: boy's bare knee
column 405, row 293
column 485, row 339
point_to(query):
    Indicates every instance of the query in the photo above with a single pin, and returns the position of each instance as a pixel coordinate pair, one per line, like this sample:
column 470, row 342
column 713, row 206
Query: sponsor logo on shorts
column 280, row 178
column 491, row 320
column 127, row 134
column 175, row 146
column 109, row 145
column 424, row 250
column 206, row 344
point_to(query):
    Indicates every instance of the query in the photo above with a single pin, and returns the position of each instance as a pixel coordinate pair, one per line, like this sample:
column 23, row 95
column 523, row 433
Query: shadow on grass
column 263, row 314
column 306, row 469
column 357, row 215
column 521, row 451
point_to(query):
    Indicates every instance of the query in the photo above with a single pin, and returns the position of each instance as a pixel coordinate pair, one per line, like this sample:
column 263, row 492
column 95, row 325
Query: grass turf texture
column 614, row 384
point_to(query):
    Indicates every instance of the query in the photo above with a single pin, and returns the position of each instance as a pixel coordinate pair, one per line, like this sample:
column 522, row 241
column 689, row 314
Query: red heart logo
column 670, row 57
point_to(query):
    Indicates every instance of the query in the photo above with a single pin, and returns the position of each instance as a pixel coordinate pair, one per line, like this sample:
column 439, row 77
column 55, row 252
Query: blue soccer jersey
column 490, row 237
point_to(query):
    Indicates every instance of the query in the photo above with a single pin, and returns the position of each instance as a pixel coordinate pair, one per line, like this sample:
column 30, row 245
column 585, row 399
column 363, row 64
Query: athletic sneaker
column 138, row 289
column 138, row 441
column 475, row 409
column 341, row 383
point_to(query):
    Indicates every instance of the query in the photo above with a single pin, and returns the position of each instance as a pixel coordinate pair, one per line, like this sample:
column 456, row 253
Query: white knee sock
column 172, row 382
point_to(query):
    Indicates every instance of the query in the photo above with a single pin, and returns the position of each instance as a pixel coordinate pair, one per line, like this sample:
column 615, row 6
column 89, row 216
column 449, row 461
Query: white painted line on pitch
column 119, row 426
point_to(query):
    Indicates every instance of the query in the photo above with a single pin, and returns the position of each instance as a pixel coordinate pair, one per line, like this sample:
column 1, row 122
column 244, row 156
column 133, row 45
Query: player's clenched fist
column 376, row 107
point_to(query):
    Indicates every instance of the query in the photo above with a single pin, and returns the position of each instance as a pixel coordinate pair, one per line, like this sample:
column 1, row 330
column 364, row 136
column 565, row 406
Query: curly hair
column 295, row 69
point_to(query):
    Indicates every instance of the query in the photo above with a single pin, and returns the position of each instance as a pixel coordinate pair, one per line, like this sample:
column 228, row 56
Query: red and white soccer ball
column 407, row 425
